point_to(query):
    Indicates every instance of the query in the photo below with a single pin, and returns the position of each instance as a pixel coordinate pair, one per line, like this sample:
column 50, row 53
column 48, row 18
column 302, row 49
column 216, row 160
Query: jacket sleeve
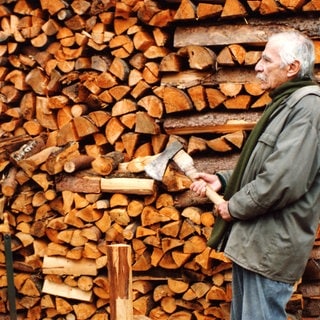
column 289, row 167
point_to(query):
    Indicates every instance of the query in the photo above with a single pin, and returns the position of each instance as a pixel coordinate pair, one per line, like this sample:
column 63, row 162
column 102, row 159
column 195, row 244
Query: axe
column 174, row 151
column 156, row 169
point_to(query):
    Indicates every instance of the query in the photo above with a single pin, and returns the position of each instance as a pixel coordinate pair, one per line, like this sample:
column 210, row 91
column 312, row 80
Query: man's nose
column 258, row 66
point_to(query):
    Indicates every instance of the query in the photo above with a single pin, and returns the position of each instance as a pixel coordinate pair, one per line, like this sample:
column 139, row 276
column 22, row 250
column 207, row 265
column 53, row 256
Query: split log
column 208, row 10
column 186, row 11
column 106, row 164
column 120, row 275
column 136, row 165
column 199, row 58
column 9, row 184
column 175, row 100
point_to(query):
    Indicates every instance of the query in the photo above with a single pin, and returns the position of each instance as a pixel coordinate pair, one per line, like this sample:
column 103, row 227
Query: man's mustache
column 261, row 77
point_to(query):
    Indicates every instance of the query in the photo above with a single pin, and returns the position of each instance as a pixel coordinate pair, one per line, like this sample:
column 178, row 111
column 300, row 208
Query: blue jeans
column 255, row 297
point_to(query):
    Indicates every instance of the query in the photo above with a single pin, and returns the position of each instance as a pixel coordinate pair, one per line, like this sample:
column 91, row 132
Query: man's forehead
column 272, row 48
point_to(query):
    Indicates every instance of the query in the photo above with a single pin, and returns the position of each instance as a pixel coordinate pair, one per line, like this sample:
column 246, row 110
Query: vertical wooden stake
column 120, row 279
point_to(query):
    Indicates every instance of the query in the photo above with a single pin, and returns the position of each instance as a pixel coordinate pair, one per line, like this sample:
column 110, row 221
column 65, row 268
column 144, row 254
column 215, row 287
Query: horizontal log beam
column 190, row 78
column 211, row 122
column 249, row 31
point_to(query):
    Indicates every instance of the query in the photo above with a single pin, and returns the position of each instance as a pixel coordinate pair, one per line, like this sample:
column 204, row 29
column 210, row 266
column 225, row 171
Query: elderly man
column 272, row 197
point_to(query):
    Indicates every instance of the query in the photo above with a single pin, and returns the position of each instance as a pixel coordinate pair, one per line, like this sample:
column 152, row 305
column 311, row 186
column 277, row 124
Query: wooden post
column 120, row 279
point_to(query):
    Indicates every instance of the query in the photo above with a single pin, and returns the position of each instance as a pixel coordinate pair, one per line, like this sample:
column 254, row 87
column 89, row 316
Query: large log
column 191, row 78
column 211, row 122
column 120, row 277
column 250, row 32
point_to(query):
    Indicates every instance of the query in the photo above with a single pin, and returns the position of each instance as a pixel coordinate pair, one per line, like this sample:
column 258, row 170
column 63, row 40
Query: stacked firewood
column 310, row 285
column 93, row 91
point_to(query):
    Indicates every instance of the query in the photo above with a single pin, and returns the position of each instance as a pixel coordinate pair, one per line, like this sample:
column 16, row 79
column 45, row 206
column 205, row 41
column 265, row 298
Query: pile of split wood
column 91, row 92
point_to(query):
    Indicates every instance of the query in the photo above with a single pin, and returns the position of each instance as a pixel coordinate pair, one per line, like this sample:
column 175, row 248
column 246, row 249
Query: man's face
column 269, row 69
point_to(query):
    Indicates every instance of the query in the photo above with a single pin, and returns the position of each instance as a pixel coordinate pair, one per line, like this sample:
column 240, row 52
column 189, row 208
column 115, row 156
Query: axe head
column 156, row 168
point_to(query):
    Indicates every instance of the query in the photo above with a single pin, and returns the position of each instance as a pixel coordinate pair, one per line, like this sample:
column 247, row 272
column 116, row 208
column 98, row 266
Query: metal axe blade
column 156, row 168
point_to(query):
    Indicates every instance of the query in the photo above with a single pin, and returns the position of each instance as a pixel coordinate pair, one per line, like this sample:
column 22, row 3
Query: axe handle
column 186, row 164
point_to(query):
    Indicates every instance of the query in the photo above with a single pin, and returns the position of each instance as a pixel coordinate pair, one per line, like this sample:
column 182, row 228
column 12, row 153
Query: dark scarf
column 222, row 228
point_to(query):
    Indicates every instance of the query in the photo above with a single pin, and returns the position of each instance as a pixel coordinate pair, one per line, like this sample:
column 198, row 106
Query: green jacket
column 277, row 209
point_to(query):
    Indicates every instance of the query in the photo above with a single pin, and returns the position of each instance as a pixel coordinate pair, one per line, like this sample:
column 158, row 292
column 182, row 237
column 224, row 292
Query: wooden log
column 113, row 130
column 213, row 122
column 172, row 62
column 311, row 307
column 78, row 183
column 120, row 278
column 186, row 11
column 9, row 184
column 233, row 9
column 310, row 289
column 241, row 101
column 61, row 266
column 83, row 126
column 128, row 185
column 146, row 124
column 153, row 105
column 106, row 164
column 30, row 164
column 174, row 99
column 136, row 165
column 78, row 163
column 28, row 148
column 208, row 10
column 150, row 72
column 199, row 58
column 56, row 160
column 198, row 96
column 252, row 32
column 190, row 78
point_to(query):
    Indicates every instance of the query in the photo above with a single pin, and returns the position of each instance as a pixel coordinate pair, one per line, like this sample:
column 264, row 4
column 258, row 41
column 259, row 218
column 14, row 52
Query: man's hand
column 223, row 211
column 199, row 186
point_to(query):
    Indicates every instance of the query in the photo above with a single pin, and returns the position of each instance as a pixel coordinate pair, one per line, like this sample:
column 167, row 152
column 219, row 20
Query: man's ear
column 294, row 68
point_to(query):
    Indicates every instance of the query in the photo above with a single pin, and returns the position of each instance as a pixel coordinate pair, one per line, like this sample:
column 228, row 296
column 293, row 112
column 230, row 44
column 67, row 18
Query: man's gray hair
column 295, row 46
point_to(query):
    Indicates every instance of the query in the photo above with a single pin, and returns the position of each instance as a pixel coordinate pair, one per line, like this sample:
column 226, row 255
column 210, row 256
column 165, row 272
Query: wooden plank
column 62, row 266
column 251, row 31
column 65, row 291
